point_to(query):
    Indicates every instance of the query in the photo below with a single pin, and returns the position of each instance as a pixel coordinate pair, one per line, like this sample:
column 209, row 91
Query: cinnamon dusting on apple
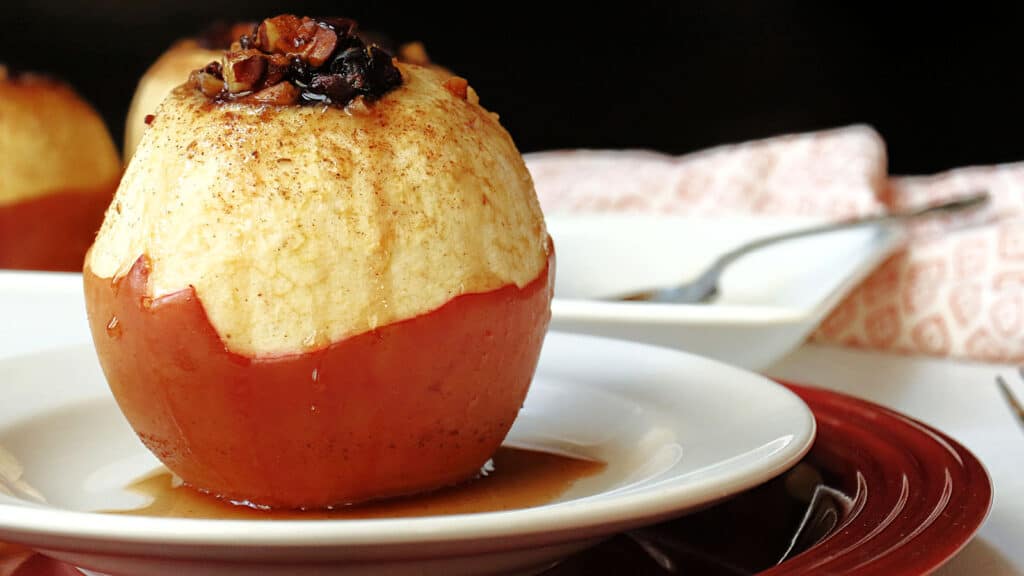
column 349, row 221
column 288, row 60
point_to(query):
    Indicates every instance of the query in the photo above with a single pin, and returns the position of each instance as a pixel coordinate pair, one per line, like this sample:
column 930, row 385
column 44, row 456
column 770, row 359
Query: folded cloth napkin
column 957, row 289
column 834, row 173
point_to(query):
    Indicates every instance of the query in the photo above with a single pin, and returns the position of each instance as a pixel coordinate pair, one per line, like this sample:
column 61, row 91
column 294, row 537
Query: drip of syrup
column 114, row 327
column 518, row 479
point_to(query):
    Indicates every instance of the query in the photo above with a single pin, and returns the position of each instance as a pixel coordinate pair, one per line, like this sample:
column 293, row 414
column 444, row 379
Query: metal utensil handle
column 711, row 275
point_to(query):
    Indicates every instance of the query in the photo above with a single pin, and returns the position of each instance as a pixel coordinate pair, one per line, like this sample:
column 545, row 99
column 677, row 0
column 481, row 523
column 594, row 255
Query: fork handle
column 705, row 285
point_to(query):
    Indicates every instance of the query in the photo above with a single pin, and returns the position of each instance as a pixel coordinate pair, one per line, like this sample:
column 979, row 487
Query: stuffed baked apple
column 58, row 171
column 325, row 277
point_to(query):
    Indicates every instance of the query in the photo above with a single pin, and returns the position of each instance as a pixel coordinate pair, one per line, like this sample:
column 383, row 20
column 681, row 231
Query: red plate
column 918, row 496
column 914, row 497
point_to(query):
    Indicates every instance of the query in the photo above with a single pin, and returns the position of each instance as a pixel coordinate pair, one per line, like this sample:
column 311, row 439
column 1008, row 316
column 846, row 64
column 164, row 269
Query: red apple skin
column 54, row 231
column 411, row 406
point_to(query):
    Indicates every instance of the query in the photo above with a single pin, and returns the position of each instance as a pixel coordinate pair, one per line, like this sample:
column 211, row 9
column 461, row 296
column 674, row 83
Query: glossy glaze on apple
column 410, row 406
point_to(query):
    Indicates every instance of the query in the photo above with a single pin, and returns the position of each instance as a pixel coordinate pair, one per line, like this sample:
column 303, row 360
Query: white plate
column 40, row 310
column 768, row 302
column 677, row 432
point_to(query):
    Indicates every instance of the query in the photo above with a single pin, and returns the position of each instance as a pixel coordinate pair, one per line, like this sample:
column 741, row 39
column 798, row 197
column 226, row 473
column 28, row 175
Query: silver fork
column 1014, row 403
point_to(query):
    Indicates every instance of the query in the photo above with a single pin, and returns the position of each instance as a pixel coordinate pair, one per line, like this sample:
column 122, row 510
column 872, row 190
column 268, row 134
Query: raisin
column 351, row 64
column 334, row 86
column 299, row 72
column 381, row 74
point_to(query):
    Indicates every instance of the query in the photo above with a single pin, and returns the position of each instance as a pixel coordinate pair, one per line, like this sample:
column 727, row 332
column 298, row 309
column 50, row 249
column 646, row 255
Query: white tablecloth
column 962, row 400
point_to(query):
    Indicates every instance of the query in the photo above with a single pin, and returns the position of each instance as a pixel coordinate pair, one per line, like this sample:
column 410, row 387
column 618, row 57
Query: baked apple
column 325, row 277
column 58, row 171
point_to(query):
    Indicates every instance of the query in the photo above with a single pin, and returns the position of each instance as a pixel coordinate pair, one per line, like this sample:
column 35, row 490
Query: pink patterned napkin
column 837, row 173
column 958, row 288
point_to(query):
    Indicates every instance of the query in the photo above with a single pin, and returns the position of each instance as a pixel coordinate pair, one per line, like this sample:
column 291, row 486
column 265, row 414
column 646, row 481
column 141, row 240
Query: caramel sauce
column 519, row 479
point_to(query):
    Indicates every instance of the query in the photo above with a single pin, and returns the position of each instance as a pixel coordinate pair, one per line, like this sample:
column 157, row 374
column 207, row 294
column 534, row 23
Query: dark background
column 942, row 86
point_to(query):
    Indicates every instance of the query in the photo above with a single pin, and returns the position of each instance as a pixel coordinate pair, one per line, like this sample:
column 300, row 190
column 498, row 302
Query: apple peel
column 411, row 406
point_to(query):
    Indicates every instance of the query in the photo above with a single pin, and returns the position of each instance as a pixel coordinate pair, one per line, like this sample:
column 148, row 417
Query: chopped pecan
column 276, row 34
column 457, row 86
column 244, row 69
column 281, row 94
column 321, row 47
column 207, row 83
column 277, row 69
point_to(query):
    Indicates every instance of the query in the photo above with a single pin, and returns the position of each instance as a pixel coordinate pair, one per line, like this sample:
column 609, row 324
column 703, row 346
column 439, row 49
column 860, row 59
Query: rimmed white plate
column 40, row 310
column 768, row 302
column 677, row 432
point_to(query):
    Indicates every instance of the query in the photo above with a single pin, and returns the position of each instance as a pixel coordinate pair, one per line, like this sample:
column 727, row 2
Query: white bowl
column 768, row 302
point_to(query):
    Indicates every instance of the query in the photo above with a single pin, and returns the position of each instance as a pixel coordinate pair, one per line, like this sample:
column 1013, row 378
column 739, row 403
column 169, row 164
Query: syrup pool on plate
column 515, row 478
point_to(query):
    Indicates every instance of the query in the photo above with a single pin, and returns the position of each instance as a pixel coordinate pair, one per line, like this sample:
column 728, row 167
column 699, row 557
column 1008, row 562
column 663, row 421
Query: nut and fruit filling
column 288, row 60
